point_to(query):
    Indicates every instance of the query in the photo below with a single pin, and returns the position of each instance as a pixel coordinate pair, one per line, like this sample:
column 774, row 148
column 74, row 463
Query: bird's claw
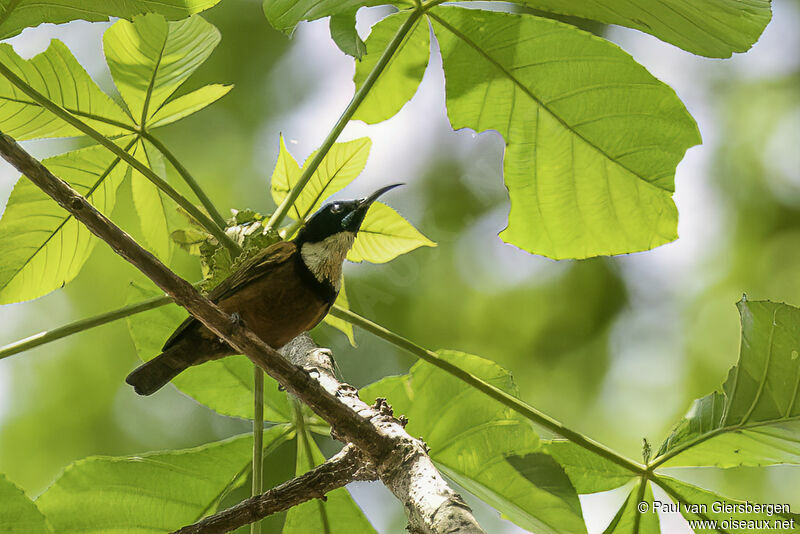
column 236, row 319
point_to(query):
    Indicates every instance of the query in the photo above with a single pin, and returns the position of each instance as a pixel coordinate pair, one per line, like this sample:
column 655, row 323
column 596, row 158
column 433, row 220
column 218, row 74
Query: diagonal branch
column 345, row 467
column 400, row 460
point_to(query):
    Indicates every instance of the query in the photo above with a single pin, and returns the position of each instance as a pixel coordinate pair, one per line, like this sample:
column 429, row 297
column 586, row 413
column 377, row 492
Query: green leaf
column 713, row 28
column 588, row 472
column 18, row 514
column 402, row 75
column 284, row 15
column 344, row 34
column 384, row 235
column 471, row 438
column 20, row 14
column 340, row 324
column 150, row 58
column 44, row 247
column 151, row 493
column 56, row 74
column 185, row 105
column 340, row 166
column 703, row 505
column 225, row 386
column 339, row 512
column 629, row 518
column 151, row 203
column 592, row 138
column 755, row 419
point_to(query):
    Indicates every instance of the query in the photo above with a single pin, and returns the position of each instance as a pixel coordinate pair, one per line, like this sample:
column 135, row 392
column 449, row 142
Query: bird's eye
column 336, row 208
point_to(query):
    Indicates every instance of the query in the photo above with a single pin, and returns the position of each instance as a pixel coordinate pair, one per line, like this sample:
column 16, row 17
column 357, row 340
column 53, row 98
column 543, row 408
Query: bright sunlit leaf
column 755, row 419
column 592, row 138
column 401, row 77
column 384, row 235
column 340, row 166
column 471, row 437
column 150, row 58
column 185, row 105
column 56, row 74
column 225, row 386
column 18, row 514
column 44, row 247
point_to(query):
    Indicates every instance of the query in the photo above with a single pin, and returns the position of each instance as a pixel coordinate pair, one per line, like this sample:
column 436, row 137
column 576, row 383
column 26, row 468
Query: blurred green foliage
column 553, row 325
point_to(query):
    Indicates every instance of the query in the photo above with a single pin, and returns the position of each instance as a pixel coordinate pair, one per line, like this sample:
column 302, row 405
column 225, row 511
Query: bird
column 281, row 292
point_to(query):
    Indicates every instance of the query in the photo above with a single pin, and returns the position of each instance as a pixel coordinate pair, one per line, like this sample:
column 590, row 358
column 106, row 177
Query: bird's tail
column 153, row 375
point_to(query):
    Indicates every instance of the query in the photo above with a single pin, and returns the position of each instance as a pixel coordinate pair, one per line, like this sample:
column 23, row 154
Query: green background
column 615, row 348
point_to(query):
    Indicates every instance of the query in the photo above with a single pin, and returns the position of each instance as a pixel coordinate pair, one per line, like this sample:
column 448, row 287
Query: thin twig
column 345, row 467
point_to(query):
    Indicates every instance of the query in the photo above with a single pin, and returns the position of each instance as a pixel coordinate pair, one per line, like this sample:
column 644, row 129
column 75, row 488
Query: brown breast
column 278, row 306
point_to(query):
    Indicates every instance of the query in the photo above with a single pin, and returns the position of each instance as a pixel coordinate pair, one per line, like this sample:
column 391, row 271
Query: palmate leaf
column 714, row 28
column 150, row 58
column 592, row 138
column 56, row 74
column 150, row 493
column 50, row 248
column 755, row 419
column 44, row 246
column 16, row 15
column 337, row 514
column 18, row 514
column 340, row 166
column 403, row 74
column 384, row 234
column 471, row 439
column 225, row 386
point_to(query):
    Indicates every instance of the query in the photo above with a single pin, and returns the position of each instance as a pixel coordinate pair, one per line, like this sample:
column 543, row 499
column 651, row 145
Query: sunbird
column 281, row 292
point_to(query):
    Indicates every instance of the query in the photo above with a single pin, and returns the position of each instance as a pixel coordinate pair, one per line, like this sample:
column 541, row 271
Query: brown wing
column 249, row 271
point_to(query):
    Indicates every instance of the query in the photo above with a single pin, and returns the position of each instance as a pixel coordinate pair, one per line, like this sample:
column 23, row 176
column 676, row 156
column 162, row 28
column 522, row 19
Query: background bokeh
column 613, row 347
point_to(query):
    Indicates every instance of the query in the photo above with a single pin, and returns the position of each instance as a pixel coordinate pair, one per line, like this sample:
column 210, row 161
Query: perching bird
column 283, row 291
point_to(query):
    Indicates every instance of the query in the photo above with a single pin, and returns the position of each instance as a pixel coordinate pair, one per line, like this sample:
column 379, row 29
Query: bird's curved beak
column 352, row 221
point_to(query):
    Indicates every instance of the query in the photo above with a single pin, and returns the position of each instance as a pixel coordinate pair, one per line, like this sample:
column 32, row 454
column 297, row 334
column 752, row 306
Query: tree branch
column 345, row 467
column 408, row 472
column 401, row 461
